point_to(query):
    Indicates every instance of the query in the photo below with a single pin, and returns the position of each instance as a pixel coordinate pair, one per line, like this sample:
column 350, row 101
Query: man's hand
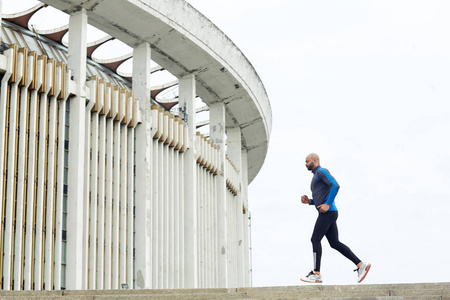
column 306, row 200
column 323, row 208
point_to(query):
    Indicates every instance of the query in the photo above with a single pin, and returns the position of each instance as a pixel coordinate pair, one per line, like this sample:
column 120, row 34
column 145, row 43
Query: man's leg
column 323, row 222
column 333, row 238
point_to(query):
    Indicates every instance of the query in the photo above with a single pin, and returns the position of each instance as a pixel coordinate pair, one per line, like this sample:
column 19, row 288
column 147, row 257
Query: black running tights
column 326, row 226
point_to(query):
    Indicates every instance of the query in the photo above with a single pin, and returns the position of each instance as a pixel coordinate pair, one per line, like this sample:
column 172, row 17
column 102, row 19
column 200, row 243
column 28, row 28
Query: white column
column 75, row 209
column 218, row 137
column 246, row 217
column 234, row 145
column 144, row 142
column 187, row 94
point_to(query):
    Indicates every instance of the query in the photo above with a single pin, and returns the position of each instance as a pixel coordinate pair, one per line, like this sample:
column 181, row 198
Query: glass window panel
column 107, row 77
column 104, row 75
column 48, row 51
column 32, row 43
column 6, row 33
column 58, row 54
column 89, row 70
column 66, row 175
column 14, row 38
column 95, row 71
column 63, row 277
column 64, row 55
column 113, row 80
column 63, row 254
column 65, row 203
column 64, row 221
column 21, row 40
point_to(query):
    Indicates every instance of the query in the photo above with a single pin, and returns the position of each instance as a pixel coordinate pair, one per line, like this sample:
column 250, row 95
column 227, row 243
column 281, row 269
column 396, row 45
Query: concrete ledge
column 185, row 42
column 417, row 291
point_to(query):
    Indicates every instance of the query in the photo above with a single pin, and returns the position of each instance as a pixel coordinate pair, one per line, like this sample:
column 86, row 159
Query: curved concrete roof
column 185, row 42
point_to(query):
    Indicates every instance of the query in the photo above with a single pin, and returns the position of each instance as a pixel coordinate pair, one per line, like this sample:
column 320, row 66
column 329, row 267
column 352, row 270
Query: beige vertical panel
column 53, row 73
column 3, row 115
column 214, row 231
column 130, row 207
column 176, row 205
column 181, row 177
column 101, row 184
column 124, row 107
column 132, row 111
column 65, row 75
column 42, row 178
column 200, row 236
column 93, row 185
column 161, row 205
column 32, row 173
column 108, row 193
column 116, row 189
column 22, row 178
column 123, row 205
column 207, row 229
column 165, row 201
column 11, row 169
column 171, row 203
column 116, row 207
column 88, row 197
column 108, row 202
column 155, row 202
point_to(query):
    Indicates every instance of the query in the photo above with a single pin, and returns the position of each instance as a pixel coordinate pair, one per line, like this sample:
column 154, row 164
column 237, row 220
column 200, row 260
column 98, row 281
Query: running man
column 324, row 189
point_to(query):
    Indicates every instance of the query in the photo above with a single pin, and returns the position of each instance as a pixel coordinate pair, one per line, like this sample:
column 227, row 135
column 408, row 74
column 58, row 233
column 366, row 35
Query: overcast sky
column 366, row 85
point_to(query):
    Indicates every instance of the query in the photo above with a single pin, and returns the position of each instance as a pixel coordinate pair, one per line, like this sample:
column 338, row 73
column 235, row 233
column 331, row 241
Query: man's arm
column 329, row 180
column 306, row 200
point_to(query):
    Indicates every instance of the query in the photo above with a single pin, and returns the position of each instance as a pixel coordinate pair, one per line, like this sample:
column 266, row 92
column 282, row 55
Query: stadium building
column 111, row 181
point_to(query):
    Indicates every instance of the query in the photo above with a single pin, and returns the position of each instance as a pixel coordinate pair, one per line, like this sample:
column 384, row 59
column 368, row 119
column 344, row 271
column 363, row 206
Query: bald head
column 312, row 161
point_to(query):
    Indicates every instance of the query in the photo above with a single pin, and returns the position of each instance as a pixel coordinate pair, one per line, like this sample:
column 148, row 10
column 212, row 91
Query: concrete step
column 349, row 291
column 426, row 291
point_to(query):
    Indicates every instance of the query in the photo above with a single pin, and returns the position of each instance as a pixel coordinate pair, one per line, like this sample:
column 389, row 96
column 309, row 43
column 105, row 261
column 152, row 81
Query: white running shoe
column 312, row 278
column 362, row 272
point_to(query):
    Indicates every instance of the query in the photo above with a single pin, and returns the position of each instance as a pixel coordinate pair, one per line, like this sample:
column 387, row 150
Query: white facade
column 103, row 187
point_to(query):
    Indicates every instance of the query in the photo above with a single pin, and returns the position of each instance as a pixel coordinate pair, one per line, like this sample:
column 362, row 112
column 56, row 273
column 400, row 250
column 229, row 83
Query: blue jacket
column 324, row 188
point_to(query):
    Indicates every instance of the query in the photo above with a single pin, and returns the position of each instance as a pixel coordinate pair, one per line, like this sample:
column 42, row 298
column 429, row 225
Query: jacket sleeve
column 329, row 180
